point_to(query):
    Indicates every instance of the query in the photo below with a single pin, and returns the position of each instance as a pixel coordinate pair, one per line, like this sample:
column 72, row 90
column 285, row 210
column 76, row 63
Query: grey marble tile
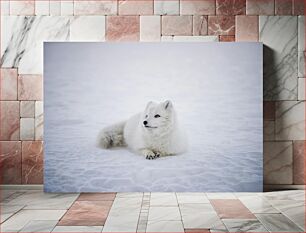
column 258, row 205
column 39, row 226
column 242, row 225
column 164, row 213
column 165, row 226
column 294, row 195
column 9, row 210
column 278, row 223
column 41, row 200
column 301, row 46
column 279, row 35
column 278, row 163
column 23, row 217
column 290, row 120
column 294, row 210
column 22, row 40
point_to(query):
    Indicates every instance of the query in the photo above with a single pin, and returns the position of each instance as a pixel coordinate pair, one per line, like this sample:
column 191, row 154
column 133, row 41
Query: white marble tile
column 129, row 195
column 164, row 213
column 269, row 131
column 8, row 210
column 290, row 120
column 165, row 226
column 27, row 129
column 55, row 8
column 5, row 7
column 22, row 7
column 205, row 217
column 150, row 28
column 278, row 163
column 279, row 35
column 301, row 89
column 78, row 229
column 42, row 7
column 277, row 223
column 39, row 120
column 221, row 196
column 122, row 219
column 22, row 40
column 27, row 108
column 185, row 198
column 190, row 38
column 167, row 39
column 294, row 210
column 258, row 205
column 20, row 219
column 242, row 225
column 294, row 195
column 163, row 199
column 106, row 7
column 66, row 7
column 127, row 202
column 40, row 200
column 39, row 226
column 164, row 7
column 301, row 46
column 87, row 28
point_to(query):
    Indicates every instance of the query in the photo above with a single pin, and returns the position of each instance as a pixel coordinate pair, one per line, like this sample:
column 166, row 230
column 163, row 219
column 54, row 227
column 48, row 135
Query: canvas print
column 153, row 117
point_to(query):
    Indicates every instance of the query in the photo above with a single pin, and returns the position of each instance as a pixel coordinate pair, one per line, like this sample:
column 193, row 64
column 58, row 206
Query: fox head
column 158, row 117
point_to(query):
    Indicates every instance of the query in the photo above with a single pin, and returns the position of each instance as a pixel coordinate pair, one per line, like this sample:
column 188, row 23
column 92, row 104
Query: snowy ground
column 216, row 89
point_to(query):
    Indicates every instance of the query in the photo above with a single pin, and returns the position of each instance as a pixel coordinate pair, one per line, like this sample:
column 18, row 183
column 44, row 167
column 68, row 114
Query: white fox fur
column 153, row 133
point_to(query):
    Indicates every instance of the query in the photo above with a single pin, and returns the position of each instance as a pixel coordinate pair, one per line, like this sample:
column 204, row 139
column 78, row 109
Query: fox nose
column 145, row 122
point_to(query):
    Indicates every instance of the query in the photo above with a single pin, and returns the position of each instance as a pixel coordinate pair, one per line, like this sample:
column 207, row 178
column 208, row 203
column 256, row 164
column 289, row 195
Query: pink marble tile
column 8, row 84
column 260, row 7
column 32, row 162
column 283, row 7
column 221, row 25
column 227, row 38
column 230, row 7
column 195, row 230
column 9, row 120
column 86, row 213
column 97, row 197
column 298, row 7
column 197, row 7
column 135, row 7
column 105, row 7
column 176, row 25
column 10, row 162
column 30, row 87
column 231, row 208
column 269, row 110
column 247, row 28
column 299, row 162
column 200, row 25
column 20, row 7
column 122, row 28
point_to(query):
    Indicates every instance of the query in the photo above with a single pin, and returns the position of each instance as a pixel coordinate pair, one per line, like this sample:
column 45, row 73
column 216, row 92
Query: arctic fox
column 153, row 133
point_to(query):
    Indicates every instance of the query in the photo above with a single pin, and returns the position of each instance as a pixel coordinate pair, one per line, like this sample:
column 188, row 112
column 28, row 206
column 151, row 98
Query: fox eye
column 157, row 116
column 146, row 116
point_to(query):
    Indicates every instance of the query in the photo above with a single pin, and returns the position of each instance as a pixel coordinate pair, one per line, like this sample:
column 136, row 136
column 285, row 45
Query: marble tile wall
column 278, row 24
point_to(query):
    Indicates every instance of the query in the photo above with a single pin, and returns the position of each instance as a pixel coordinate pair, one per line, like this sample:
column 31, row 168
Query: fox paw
column 152, row 155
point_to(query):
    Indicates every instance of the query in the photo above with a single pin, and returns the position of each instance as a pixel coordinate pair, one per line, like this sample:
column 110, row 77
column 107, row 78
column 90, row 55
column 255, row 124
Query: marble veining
column 279, row 35
column 22, row 40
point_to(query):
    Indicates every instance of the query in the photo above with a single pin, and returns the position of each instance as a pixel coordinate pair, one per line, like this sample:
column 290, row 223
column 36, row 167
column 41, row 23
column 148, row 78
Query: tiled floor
column 35, row 211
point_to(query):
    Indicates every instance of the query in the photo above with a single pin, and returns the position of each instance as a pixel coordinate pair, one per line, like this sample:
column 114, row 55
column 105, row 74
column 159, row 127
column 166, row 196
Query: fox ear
column 168, row 104
column 148, row 104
